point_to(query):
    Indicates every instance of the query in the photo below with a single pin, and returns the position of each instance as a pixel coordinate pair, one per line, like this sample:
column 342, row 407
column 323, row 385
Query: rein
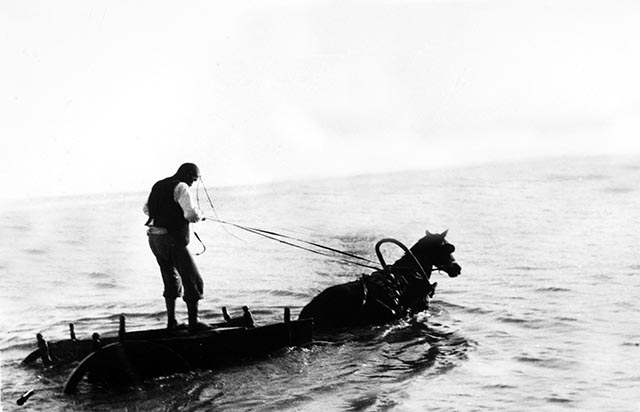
column 204, row 247
column 288, row 240
column 278, row 237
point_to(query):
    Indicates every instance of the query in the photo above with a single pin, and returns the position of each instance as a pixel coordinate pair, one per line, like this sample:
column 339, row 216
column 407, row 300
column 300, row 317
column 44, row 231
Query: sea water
column 545, row 316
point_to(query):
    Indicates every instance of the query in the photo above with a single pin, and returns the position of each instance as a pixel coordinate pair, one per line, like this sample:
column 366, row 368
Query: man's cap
column 188, row 170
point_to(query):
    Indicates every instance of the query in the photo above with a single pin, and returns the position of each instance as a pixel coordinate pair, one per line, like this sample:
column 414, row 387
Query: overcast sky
column 111, row 95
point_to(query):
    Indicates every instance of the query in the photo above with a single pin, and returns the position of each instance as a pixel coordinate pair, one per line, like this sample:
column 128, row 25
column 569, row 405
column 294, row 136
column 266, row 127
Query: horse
column 396, row 291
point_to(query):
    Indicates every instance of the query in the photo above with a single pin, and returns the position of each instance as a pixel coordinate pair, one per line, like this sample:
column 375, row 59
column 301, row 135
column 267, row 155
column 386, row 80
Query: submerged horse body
column 395, row 291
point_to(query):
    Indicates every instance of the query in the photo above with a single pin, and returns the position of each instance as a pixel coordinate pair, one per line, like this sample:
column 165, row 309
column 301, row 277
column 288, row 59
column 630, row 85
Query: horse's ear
column 443, row 234
column 428, row 234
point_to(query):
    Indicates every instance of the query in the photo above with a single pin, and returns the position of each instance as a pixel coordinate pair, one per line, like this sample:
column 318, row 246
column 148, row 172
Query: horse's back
column 334, row 306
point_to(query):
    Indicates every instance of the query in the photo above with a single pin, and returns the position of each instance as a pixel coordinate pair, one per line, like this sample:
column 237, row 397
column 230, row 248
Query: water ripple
column 552, row 289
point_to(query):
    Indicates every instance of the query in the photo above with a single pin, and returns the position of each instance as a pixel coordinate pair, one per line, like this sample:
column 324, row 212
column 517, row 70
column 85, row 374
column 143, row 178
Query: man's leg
column 172, row 323
column 193, row 285
column 161, row 248
column 192, row 312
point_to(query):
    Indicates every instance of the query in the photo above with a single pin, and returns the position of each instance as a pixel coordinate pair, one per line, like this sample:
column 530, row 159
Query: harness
column 384, row 288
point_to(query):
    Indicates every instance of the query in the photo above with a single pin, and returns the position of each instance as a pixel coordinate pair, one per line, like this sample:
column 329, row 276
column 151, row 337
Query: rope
column 204, row 247
column 278, row 237
column 267, row 232
column 275, row 236
column 213, row 208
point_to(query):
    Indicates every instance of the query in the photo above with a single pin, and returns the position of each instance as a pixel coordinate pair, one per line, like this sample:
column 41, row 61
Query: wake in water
column 351, row 370
column 358, row 368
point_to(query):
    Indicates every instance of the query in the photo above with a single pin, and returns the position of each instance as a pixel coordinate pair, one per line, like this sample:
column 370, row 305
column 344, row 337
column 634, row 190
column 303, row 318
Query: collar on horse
column 388, row 269
column 386, row 288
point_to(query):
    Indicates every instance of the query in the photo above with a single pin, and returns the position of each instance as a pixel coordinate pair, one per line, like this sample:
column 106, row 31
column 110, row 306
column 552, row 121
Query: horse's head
column 434, row 251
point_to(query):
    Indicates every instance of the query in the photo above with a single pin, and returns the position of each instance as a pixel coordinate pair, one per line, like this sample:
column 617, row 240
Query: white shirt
column 182, row 195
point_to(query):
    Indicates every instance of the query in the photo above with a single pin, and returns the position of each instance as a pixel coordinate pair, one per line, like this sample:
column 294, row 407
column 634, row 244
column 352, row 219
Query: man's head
column 188, row 173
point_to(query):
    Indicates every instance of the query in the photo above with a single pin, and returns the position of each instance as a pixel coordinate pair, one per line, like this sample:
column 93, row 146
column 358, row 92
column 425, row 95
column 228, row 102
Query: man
column 171, row 209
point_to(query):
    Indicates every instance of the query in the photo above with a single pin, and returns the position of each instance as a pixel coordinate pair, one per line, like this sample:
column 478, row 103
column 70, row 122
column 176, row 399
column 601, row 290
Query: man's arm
column 183, row 196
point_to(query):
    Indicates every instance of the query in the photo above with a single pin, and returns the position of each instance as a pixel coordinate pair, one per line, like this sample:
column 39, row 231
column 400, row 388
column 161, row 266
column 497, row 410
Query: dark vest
column 166, row 212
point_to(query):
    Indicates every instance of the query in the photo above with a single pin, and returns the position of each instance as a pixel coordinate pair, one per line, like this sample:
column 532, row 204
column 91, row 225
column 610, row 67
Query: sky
column 110, row 96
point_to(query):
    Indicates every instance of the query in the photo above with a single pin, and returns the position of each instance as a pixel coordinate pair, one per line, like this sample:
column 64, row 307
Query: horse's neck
column 407, row 264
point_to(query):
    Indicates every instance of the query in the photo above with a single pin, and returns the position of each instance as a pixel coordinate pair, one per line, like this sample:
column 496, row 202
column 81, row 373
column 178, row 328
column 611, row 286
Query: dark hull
column 134, row 356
